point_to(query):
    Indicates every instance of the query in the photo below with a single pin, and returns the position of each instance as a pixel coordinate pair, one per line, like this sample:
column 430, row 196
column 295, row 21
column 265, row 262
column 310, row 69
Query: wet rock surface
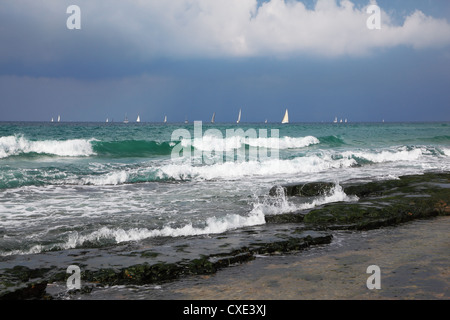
column 310, row 189
column 158, row 260
column 382, row 203
column 153, row 261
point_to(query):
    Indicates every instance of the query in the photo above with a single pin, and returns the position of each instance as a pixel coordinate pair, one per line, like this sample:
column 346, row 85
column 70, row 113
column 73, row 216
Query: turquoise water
column 75, row 185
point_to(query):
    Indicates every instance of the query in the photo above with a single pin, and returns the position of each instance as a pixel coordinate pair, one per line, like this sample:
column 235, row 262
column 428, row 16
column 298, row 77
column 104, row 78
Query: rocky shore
column 380, row 204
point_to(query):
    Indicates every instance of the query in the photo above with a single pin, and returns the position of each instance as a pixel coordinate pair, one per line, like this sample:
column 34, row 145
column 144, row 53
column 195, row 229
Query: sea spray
column 279, row 203
column 107, row 235
column 16, row 145
column 210, row 147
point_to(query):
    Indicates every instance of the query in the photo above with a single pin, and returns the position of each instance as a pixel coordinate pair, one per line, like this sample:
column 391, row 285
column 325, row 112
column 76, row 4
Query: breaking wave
column 108, row 235
column 280, row 203
column 18, row 145
column 210, row 142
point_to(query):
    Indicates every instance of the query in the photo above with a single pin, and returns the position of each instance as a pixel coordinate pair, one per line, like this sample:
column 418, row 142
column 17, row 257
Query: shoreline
column 342, row 239
column 413, row 258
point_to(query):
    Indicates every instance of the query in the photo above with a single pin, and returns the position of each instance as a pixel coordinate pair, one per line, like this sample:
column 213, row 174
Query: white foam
column 213, row 225
column 112, row 178
column 234, row 170
column 15, row 145
column 33, row 250
column 401, row 154
column 280, row 204
column 446, row 151
column 210, row 143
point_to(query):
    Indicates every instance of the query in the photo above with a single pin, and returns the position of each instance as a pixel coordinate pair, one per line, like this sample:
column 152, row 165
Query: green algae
column 386, row 203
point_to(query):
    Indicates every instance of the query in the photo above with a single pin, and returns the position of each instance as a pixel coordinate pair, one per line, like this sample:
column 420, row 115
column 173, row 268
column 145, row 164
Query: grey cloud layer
column 35, row 31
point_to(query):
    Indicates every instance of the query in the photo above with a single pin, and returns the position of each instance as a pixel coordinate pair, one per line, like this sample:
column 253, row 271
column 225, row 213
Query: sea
column 108, row 186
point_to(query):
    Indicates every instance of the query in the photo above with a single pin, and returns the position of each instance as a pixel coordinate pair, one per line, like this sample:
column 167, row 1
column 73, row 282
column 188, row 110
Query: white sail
column 286, row 117
column 107, row 120
column 138, row 119
column 126, row 119
column 239, row 117
column 59, row 118
column 335, row 120
column 265, row 121
column 52, row 119
column 165, row 119
column 213, row 117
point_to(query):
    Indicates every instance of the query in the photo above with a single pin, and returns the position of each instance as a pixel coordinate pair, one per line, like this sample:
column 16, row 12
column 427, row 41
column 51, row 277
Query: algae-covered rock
column 23, row 283
column 312, row 189
column 387, row 203
column 381, row 203
column 290, row 217
column 33, row 291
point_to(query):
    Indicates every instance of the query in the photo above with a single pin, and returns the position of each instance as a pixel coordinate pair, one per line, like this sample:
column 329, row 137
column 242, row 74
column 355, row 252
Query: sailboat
column 52, row 119
column 107, row 120
column 239, row 117
column 265, row 121
column 335, row 120
column 138, row 119
column 126, row 119
column 165, row 119
column 59, row 118
column 213, row 117
column 185, row 120
column 286, row 117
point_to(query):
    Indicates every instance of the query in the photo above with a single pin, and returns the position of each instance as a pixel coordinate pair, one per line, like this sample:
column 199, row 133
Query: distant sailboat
column 138, row 119
column 52, row 119
column 341, row 120
column 239, row 116
column 165, row 119
column 126, row 119
column 213, row 117
column 345, row 120
column 265, row 121
column 107, row 120
column 335, row 120
column 185, row 120
column 59, row 118
column 286, row 117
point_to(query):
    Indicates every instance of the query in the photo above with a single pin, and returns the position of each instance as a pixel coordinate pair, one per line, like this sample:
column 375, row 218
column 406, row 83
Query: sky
column 190, row 58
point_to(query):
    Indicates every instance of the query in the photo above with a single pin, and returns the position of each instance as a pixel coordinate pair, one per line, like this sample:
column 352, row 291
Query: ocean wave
column 213, row 168
column 439, row 139
column 446, row 151
column 210, row 142
column 213, row 225
column 236, row 170
column 401, row 154
column 331, row 141
column 112, row 178
column 132, row 148
column 19, row 145
column 280, row 204
column 108, row 235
